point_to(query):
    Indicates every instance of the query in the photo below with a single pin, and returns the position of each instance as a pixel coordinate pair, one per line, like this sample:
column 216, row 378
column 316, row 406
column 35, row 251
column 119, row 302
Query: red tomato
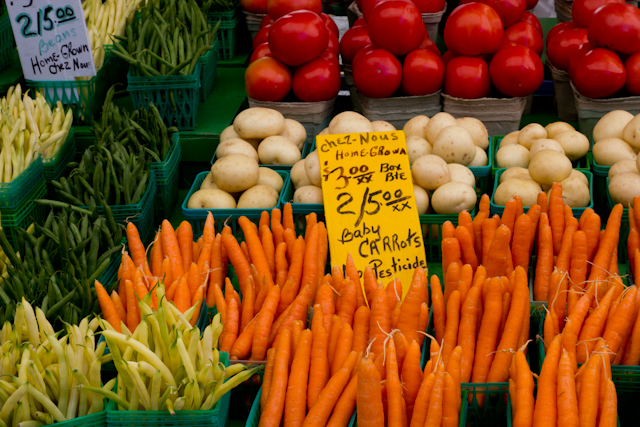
column 331, row 57
column 525, row 34
column 447, row 56
column 577, row 56
column 362, row 53
column 531, row 4
column 429, row 45
column 267, row 79
column 315, row 81
column 562, row 46
column 533, row 20
column 466, row 77
column 599, row 74
column 617, row 28
column 330, row 23
column 353, row 40
column 430, row 6
column 510, row 11
column 377, row 73
column 516, row 71
column 473, row 29
column 260, row 52
column 396, row 26
column 254, row 6
column 267, row 20
column 261, row 37
column 556, row 29
column 298, row 37
column 367, row 7
column 632, row 65
column 334, row 44
column 422, row 73
column 582, row 10
column 359, row 22
column 279, row 8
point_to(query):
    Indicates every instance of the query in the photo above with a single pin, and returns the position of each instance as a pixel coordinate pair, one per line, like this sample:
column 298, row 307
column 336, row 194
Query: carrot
column 409, row 315
column 394, row 293
column 621, row 323
column 348, row 301
column 524, row 393
column 438, row 305
column 423, row 321
column 184, row 234
column 319, row 374
column 182, row 297
column 241, row 348
column 117, row 302
column 310, row 264
column 311, row 220
column 380, row 323
column 592, row 230
column 450, row 254
column 351, row 272
column 318, row 318
column 264, row 219
column 411, row 376
column 282, row 266
column 601, row 262
column 287, row 217
column 236, row 257
column 334, row 333
column 361, row 321
column 290, row 239
column 295, row 406
column 569, row 342
column 556, row 216
column 534, row 215
column 434, row 411
column 136, row 248
column 247, row 305
column 266, row 238
column 394, row 389
column 369, row 281
column 467, row 331
column 419, row 414
column 276, row 227
column 109, row 310
column 567, row 399
column 216, row 268
column 220, row 302
column 632, row 356
column 451, row 326
column 593, row 327
column 256, row 250
column 498, row 257
column 370, row 411
column 488, row 333
column 578, row 270
column 274, row 407
column 544, row 265
column 171, row 248
column 609, row 407
column 296, row 330
column 195, row 249
column 133, row 315
column 448, row 230
column 477, row 233
column 196, row 300
column 588, row 397
column 452, row 278
column 522, row 239
column 509, row 215
column 345, row 405
column 488, row 230
column 296, row 311
column 193, row 279
column 580, row 312
column 337, row 276
column 156, row 255
column 261, row 334
column 545, row 413
column 266, row 380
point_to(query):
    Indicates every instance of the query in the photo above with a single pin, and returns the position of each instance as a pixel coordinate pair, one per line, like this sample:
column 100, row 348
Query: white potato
column 480, row 159
column 230, row 132
column 579, row 175
column 299, row 176
column 530, row 133
column 422, row 199
column 575, row 193
column 235, row 172
column 623, row 166
column 416, row 127
column 417, row 147
column 211, row 198
column 312, row 167
column 510, row 139
column 575, row 144
column 271, row 178
column 324, row 131
column 555, row 128
column 527, row 189
column 258, row 123
column 309, row 194
column 512, row 155
column 624, row 187
column 638, row 162
column 236, row 146
column 549, row 166
column 277, row 150
column 609, row 151
column 477, row 130
column 295, row 132
column 349, row 122
column 631, row 132
column 382, row 126
column 436, row 124
column 460, row 173
column 208, row 182
column 515, row 172
column 453, row 198
column 258, row 197
column 611, row 125
column 544, row 144
column 455, row 145
column 430, row 172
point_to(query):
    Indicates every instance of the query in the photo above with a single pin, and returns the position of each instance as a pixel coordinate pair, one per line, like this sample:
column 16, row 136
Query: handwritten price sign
column 369, row 204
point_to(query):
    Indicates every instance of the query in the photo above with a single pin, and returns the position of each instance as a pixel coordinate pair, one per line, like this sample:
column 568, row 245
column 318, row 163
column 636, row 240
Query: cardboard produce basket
column 398, row 110
column 563, row 10
column 564, row 99
column 253, row 22
column 500, row 116
column 432, row 22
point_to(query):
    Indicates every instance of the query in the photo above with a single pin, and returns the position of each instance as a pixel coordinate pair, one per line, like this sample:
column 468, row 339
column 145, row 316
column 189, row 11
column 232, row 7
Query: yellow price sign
column 369, row 204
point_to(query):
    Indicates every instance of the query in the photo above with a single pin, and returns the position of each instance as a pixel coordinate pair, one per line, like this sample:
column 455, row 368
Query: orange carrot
column 467, row 330
column 434, row 413
column 236, row 257
column 488, row 230
column 509, row 215
column 523, row 416
column 345, row 405
column 266, row 239
column 498, row 256
column 588, row 400
column 409, row 316
column 351, row 273
column 323, row 249
column 465, row 238
column 120, row 308
column 276, row 227
column 295, row 406
column 274, row 408
column 310, row 264
column 450, row 254
column 282, row 266
column 133, row 310
column 343, row 348
column 593, row 327
column 488, row 333
column 544, row 265
column 136, row 248
column 171, row 248
column 319, row 371
column 567, row 399
column 361, row 321
column 256, row 250
column 477, row 233
column 592, row 230
column 348, row 301
column 324, row 297
column 522, row 239
column 438, row 306
column 247, row 305
column 411, row 376
column 184, row 234
column 182, row 298
column 451, row 326
column 380, row 323
column 109, row 310
column 334, row 333
column 216, row 268
column 542, row 202
column 370, row 411
column 556, row 216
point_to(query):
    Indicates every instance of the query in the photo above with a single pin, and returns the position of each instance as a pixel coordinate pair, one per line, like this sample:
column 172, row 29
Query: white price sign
column 52, row 39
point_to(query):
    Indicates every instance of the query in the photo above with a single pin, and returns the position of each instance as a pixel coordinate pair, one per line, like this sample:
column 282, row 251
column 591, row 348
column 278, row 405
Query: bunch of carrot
column 566, row 395
column 633, row 240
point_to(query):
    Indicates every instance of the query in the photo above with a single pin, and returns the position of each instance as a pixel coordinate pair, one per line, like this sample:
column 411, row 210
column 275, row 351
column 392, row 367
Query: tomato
column 562, row 46
column 510, row 11
column 278, row 8
column 473, row 29
column 429, row 45
column 577, row 56
column 533, row 20
column 531, row 4
column 582, row 10
column 396, row 26
column 377, row 73
column 315, row 81
column 362, row 53
column 516, row 71
column 334, row 44
column 254, row 6
column 466, row 77
column 352, row 41
column 599, row 74
column 262, row 36
column 617, row 28
column 359, row 23
column 422, row 73
column 447, row 56
column 556, row 29
column 430, row 6
column 298, row 37
column 331, row 57
column 367, row 8
column 632, row 65
column 267, row 20
column 330, row 24
column 260, row 52
column 525, row 34
column 267, row 79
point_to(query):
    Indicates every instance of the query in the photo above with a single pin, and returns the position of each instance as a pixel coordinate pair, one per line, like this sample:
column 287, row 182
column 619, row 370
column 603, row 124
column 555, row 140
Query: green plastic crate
column 98, row 419
column 483, row 173
column 7, row 42
column 208, row 63
column 24, row 214
column 226, row 32
column 15, row 192
column 166, row 175
column 54, row 167
column 493, row 412
column 110, row 275
column 432, row 233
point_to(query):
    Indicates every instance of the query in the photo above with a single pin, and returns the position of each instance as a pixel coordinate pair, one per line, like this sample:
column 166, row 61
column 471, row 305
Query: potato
column 455, row 145
column 575, row 144
column 624, row 187
column 211, row 198
column 477, row 130
column 422, row 199
column 258, row 197
column 530, row 133
column 271, row 178
column 436, row 124
column 480, row 159
column 308, row 194
column 299, row 176
column 349, row 122
column 525, row 188
column 575, row 193
column 515, row 173
column 259, row 123
column 623, row 166
column 510, row 139
column 417, row 147
column 579, row 175
column 544, row 144
column 277, row 150
column 208, row 182
column 460, row 173
column 430, row 172
column 638, row 162
column 230, row 132
column 312, row 167
column 295, row 133
column 324, row 131
column 512, row 155
column 382, row 126
column 549, row 166
column 236, row 146
column 416, row 127
column 236, row 172
column 453, row 198
column 555, row 128
column 611, row 125
column 609, row 151
column 631, row 132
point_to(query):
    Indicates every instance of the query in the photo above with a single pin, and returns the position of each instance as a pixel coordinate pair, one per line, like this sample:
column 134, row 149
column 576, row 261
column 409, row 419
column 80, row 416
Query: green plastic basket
column 432, row 233
column 17, row 191
column 176, row 97
column 226, row 32
column 84, row 97
column 483, row 173
column 110, row 275
column 7, row 42
column 493, row 412
column 98, row 419
column 577, row 212
column 208, row 63
column 54, row 167
column 24, row 214
column 166, row 175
